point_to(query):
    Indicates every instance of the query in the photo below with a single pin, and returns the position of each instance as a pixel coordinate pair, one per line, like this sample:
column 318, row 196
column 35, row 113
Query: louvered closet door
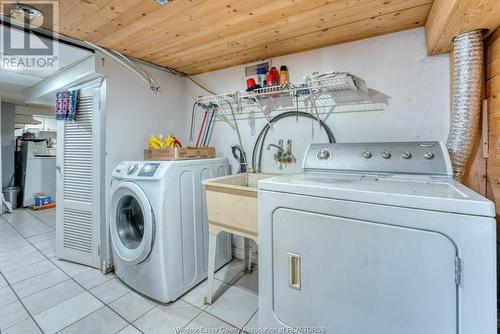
column 78, row 183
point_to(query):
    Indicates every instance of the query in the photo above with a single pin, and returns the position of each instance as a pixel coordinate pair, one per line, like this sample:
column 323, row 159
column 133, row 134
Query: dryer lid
column 411, row 191
column 406, row 174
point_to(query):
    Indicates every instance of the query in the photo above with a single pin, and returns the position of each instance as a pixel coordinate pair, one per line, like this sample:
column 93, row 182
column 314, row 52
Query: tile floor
column 40, row 294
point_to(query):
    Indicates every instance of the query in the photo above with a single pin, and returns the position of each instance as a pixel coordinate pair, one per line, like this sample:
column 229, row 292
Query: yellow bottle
column 154, row 142
column 170, row 141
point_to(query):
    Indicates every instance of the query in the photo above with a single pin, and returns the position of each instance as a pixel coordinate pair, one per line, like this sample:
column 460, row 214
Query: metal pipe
column 466, row 105
column 127, row 63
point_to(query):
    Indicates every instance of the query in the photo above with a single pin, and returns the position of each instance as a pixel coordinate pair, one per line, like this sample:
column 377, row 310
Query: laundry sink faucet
column 283, row 157
column 280, row 148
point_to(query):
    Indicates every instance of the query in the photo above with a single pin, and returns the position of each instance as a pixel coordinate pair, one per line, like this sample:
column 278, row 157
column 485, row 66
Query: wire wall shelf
column 320, row 95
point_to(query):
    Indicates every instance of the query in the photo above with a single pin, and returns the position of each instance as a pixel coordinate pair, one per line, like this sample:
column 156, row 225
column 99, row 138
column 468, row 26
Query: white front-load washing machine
column 158, row 225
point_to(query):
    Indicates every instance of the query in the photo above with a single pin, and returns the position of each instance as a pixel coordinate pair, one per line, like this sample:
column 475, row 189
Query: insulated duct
column 466, row 104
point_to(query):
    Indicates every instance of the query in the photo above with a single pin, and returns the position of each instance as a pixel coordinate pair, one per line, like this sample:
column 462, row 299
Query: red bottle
column 250, row 83
column 273, row 77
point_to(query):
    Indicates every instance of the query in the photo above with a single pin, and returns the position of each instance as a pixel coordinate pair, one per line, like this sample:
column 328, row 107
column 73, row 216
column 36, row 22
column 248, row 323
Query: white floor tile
column 47, row 247
column 197, row 295
column 15, row 215
column 110, row 290
column 3, row 282
column 252, row 325
column 206, row 322
column 10, row 244
column 249, row 281
column 68, row 312
column 165, row 319
column 7, row 296
column 5, row 227
column 11, row 240
column 93, row 278
column 60, row 304
column 102, row 321
column 70, row 268
column 231, row 272
column 236, row 306
column 132, row 305
column 7, row 255
column 48, row 298
column 42, row 237
column 22, row 261
column 27, row 326
column 51, row 222
column 38, row 283
column 45, row 243
column 26, row 272
column 11, row 315
column 129, row 330
column 47, row 216
column 29, row 226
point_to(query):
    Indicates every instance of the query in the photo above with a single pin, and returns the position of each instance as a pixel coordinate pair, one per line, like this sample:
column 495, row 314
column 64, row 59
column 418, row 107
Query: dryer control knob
column 386, row 155
column 324, row 154
column 428, row 155
column 406, row 155
column 132, row 168
column 367, row 155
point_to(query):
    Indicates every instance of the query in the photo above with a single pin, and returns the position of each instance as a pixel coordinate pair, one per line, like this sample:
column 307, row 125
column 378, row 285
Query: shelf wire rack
column 320, row 95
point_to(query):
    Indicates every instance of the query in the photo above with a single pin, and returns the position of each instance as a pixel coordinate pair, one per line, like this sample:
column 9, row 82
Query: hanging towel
column 66, row 105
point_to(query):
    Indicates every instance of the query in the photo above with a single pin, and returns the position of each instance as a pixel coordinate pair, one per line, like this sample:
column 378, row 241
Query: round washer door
column 131, row 223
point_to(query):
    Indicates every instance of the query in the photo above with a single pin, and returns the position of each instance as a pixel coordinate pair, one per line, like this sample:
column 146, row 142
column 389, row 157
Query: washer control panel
column 140, row 170
column 149, row 169
column 430, row 158
column 132, row 168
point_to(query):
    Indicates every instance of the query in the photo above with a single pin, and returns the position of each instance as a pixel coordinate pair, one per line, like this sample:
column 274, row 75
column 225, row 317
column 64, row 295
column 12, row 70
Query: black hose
column 239, row 155
column 263, row 133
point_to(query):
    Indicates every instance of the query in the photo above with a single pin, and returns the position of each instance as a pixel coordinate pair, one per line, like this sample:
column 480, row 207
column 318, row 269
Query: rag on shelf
column 66, row 105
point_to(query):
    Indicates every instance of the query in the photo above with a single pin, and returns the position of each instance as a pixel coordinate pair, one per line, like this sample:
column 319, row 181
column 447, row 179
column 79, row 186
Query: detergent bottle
column 170, row 141
column 154, row 142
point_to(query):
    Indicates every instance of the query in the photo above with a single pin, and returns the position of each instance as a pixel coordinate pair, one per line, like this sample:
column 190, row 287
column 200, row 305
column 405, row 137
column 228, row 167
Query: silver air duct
column 466, row 104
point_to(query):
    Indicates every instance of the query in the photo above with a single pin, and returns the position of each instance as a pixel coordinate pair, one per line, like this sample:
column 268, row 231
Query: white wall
column 8, row 142
column 394, row 64
column 1, row 172
column 134, row 112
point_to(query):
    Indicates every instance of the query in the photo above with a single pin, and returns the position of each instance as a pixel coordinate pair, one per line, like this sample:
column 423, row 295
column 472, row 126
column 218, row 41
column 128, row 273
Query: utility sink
column 232, row 204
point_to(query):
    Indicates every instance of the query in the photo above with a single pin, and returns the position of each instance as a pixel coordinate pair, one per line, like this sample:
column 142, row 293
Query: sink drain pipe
column 466, row 104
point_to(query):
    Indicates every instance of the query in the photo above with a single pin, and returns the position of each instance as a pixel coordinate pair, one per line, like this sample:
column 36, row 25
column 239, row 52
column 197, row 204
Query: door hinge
column 458, row 271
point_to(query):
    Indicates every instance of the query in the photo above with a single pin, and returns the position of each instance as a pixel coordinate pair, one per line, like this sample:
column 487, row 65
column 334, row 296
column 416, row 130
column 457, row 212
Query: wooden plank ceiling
column 197, row 36
column 449, row 18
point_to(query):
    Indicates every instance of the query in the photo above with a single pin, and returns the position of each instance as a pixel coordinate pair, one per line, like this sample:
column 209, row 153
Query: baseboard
column 239, row 253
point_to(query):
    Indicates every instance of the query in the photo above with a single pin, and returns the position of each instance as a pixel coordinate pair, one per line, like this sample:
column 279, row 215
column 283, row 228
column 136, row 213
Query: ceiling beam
column 449, row 18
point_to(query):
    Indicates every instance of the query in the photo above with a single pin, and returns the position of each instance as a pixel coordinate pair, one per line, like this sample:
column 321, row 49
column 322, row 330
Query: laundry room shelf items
column 320, row 94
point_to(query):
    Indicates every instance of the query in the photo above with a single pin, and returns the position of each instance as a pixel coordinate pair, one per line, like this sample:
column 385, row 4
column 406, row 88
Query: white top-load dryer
column 158, row 225
column 376, row 238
